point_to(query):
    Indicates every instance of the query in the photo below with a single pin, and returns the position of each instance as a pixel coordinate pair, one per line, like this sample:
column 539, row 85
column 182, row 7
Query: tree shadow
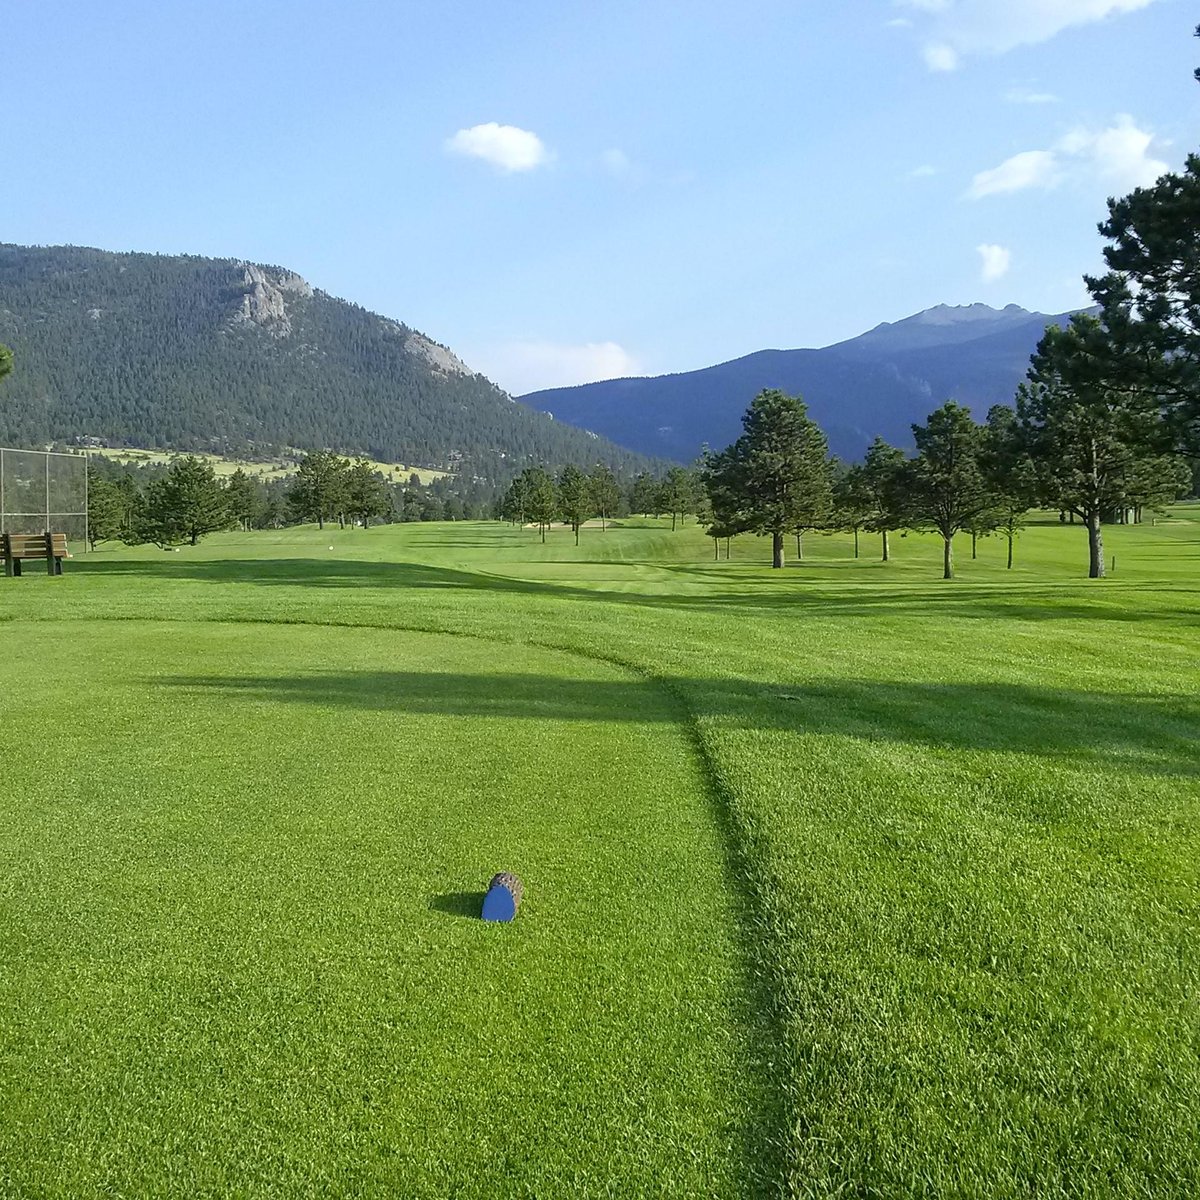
column 458, row 904
column 1147, row 733
column 796, row 591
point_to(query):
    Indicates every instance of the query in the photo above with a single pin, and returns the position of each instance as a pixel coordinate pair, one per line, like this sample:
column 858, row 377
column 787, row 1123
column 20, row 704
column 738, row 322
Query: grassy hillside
column 842, row 879
column 224, row 465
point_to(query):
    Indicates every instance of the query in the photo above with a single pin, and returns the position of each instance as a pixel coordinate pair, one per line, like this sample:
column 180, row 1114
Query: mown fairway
column 841, row 879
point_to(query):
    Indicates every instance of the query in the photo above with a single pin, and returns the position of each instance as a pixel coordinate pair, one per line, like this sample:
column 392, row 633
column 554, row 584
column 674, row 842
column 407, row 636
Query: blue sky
column 566, row 192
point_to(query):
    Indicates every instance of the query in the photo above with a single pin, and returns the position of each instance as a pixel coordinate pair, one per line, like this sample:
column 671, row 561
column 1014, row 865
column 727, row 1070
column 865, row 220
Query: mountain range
column 879, row 383
column 189, row 353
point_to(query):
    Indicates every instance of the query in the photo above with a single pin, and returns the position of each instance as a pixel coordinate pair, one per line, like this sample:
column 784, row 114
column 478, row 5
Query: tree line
column 168, row 504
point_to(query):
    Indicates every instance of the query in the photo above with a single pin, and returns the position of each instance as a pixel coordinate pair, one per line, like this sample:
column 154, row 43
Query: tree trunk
column 799, row 546
column 320, row 521
column 974, row 537
column 885, row 545
column 716, row 549
column 1095, row 547
column 727, row 542
column 577, row 535
column 672, row 522
column 543, row 529
column 1010, row 542
column 777, row 549
column 603, row 524
column 856, row 541
column 947, row 558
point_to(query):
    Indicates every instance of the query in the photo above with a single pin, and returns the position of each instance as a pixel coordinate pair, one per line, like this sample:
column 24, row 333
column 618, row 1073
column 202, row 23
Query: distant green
column 842, row 879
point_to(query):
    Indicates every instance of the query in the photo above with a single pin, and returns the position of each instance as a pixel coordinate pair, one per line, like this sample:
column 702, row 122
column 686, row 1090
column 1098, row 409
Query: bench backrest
column 33, row 545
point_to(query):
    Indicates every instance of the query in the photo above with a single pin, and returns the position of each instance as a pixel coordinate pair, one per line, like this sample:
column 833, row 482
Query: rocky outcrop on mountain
column 263, row 302
column 436, row 355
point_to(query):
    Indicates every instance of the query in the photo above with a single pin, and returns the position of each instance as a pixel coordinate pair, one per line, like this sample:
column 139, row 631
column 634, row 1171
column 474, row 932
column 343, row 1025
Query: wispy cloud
column 529, row 366
column 957, row 29
column 940, row 56
column 995, row 261
column 924, row 171
column 505, row 147
column 1029, row 169
column 1029, row 96
column 1118, row 156
column 616, row 162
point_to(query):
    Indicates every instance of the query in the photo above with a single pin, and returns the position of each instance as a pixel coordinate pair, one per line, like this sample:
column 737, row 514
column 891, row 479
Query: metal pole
column 47, row 527
column 87, row 541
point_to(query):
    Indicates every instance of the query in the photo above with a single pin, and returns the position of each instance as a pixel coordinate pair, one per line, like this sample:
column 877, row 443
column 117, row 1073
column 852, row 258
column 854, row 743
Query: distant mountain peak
column 953, row 314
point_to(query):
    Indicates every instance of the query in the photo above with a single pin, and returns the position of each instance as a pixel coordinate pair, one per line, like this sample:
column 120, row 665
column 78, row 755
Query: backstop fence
column 42, row 491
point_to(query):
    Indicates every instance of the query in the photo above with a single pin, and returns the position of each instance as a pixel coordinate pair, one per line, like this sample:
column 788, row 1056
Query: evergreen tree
column 245, row 498
column 1086, row 435
column 642, row 494
column 6, row 361
column 318, row 492
column 1150, row 296
column 365, row 492
column 946, row 488
column 884, row 472
column 184, row 505
column 574, row 498
column 1009, row 473
column 606, row 493
column 541, row 498
column 678, row 493
column 776, row 475
column 852, row 504
column 106, row 509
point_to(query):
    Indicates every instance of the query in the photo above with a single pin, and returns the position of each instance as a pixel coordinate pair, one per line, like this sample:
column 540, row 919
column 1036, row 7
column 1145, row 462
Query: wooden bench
column 16, row 547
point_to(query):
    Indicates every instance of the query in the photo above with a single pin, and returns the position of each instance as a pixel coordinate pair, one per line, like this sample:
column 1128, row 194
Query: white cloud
column 529, row 366
column 939, row 56
column 506, row 147
column 1118, row 154
column 925, row 171
column 616, row 162
column 995, row 261
column 971, row 27
column 1029, row 96
column 1030, row 168
column 1119, row 157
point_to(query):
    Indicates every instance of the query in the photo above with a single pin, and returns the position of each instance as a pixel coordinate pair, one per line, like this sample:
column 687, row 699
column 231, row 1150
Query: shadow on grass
column 742, row 587
column 458, row 904
column 1147, row 733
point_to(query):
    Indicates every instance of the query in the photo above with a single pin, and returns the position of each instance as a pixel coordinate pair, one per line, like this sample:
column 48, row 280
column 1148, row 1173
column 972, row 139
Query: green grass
column 843, row 880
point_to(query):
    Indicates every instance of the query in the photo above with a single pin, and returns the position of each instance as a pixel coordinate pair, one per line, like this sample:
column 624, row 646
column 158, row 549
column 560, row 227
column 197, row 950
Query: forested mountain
column 193, row 353
column 877, row 384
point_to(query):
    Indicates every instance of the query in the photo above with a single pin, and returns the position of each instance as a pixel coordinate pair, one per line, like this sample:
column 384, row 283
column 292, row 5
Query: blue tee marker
column 503, row 897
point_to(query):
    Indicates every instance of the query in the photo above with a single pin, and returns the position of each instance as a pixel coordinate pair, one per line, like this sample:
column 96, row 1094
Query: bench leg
column 16, row 566
column 8, row 567
column 58, row 566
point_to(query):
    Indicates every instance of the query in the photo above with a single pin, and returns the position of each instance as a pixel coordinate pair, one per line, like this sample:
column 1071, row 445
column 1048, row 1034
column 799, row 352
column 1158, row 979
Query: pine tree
column 1086, row 434
column 318, row 493
column 184, row 505
column 574, row 498
column 606, row 493
column 946, row 488
column 776, row 475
